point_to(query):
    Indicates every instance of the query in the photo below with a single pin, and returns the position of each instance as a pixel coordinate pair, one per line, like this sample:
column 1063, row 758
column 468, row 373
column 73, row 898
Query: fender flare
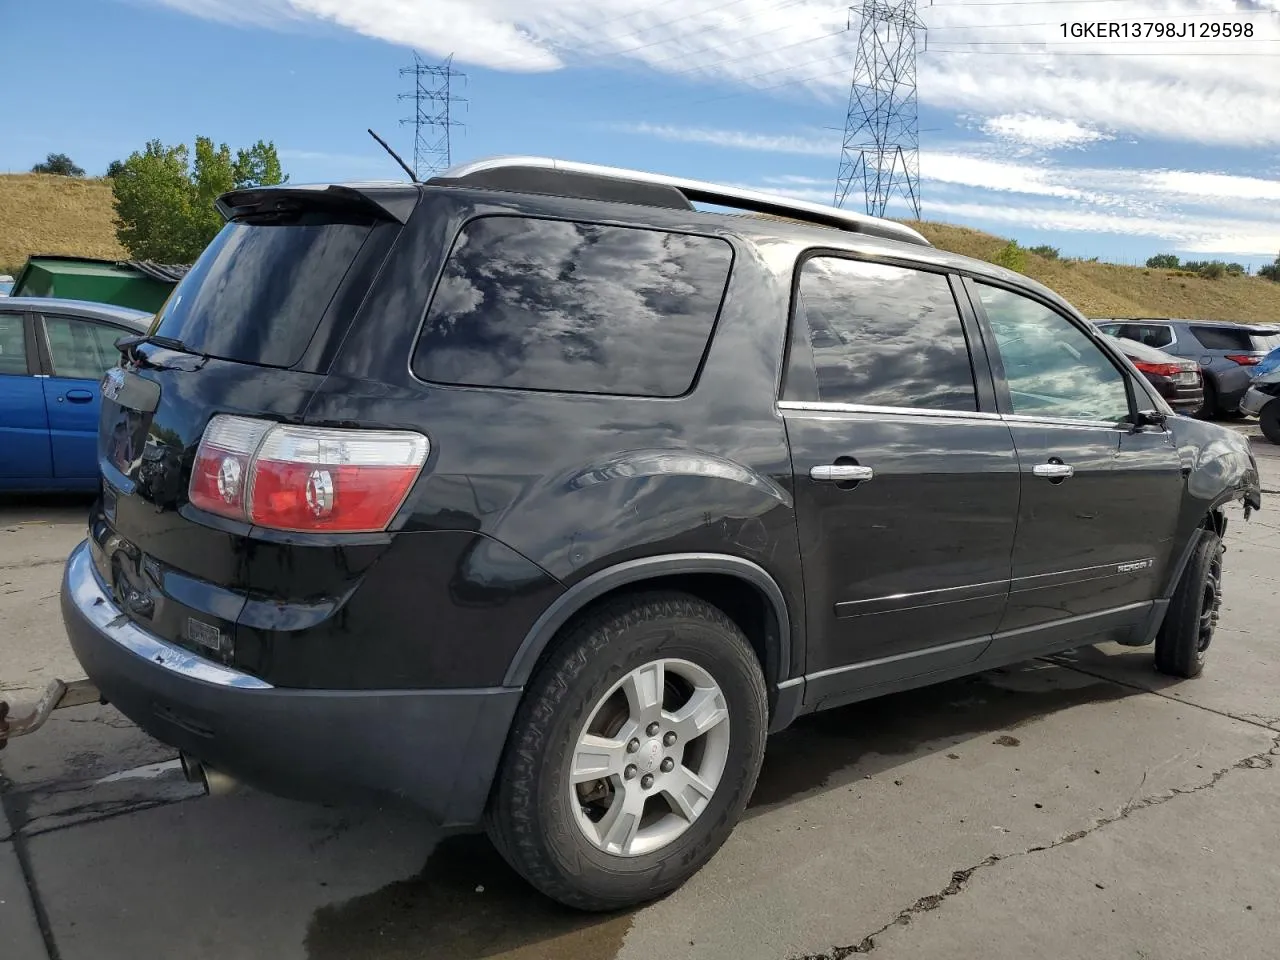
column 601, row 582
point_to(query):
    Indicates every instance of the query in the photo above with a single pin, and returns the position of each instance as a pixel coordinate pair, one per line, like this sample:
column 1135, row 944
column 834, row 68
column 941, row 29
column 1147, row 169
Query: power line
column 433, row 99
column 881, row 145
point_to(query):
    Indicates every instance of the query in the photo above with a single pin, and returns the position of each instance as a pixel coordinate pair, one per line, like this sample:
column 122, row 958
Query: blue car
column 53, row 354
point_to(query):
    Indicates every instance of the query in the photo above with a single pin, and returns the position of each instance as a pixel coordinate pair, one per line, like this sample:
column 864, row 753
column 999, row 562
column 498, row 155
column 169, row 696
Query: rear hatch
column 249, row 332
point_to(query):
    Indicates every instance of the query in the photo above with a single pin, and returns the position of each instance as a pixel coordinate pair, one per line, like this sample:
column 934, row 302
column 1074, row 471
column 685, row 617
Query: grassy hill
column 1106, row 289
column 41, row 213
column 47, row 214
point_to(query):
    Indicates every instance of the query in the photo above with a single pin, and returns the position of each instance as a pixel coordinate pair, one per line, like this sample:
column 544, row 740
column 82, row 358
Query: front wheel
column 1269, row 421
column 633, row 754
column 1182, row 645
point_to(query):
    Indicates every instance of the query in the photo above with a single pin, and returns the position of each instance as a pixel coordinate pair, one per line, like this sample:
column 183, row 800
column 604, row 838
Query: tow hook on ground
column 58, row 695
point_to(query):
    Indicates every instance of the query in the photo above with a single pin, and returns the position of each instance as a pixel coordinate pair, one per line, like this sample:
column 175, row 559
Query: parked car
column 539, row 498
column 53, row 354
column 1179, row 381
column 1225, row 352
column 1262, row 399
column 6, row 284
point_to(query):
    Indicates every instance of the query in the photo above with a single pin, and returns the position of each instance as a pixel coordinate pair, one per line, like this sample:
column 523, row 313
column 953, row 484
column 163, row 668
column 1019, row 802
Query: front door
column 1099, row 500
column 906, row 488
column 81, row 351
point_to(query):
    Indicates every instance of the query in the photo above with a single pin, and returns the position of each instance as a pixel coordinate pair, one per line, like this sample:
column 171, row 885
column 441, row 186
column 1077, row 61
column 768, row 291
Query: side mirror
column 1150, row 418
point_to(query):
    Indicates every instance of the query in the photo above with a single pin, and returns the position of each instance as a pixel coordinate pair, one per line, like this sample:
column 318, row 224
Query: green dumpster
column 139, row 284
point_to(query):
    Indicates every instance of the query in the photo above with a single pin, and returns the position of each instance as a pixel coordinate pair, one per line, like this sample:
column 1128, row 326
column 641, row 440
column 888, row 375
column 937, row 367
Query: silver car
column 1226, row 352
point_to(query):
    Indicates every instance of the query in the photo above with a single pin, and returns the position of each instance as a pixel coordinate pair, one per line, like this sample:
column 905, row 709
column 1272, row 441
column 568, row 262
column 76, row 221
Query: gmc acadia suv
column 535, row 496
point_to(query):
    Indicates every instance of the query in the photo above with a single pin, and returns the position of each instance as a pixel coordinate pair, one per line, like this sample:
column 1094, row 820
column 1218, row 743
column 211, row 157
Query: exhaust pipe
column 215, row 782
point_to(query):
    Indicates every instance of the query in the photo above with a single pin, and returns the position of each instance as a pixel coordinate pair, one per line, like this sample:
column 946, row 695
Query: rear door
column 24, row 431
column 1099, row 499
column 906, row 480
column 80, row 352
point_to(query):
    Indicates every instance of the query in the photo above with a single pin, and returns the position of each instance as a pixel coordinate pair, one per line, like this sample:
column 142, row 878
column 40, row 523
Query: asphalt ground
column 1079, row 807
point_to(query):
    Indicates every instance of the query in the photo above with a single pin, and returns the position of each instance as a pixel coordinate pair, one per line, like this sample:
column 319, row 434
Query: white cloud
column 737, row 139
column 1046, row 133
column 1009, row 63
column 1200, row 212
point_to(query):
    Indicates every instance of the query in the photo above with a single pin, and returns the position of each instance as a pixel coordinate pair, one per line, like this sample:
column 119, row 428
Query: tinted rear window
column 257, row 293
column 880, row 335
column 579, row 307
column 1235, row 338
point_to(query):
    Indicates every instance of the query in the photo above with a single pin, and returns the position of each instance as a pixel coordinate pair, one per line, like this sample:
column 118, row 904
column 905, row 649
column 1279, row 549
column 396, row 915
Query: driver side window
column 1052, row 367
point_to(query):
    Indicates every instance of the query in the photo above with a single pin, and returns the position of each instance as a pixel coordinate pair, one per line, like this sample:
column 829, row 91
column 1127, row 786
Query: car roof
column 88, row 309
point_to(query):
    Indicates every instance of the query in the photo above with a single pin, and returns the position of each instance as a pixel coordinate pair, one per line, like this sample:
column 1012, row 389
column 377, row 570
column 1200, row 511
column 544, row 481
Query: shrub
column 1046, row 251
column 1011, row 257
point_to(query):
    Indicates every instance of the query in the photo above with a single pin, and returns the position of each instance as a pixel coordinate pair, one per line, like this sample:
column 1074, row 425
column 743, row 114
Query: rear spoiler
column 386, row 201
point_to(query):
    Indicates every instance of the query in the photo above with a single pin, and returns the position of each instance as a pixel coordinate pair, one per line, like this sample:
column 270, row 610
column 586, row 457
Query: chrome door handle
column 840, row 472
column 1053, row 471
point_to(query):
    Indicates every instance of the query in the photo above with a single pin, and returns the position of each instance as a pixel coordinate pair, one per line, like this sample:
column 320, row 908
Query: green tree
column 114, row 168
column 164, row 198
column 1011, row 257
column 1163, row 261
column 60, row 164
column 1271, row 271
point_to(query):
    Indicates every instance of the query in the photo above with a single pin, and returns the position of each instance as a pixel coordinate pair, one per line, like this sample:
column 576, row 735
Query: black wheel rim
column 1211, row 600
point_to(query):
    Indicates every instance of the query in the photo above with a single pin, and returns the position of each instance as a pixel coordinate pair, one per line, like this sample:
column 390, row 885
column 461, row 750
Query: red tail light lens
column 1243, row 359
column 1160, row 369
column 306, row 479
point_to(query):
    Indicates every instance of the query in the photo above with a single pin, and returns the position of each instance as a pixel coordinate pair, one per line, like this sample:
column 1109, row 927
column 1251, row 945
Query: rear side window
column 81, row 349
column 1236, row 339
column 258, row 291
column 536, row 304
column 1223, row 338
column 879, row 335
column 1152, row 334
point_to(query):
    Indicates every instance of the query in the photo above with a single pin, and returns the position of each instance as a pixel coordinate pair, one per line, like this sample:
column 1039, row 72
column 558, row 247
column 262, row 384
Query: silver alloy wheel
column 649, row 758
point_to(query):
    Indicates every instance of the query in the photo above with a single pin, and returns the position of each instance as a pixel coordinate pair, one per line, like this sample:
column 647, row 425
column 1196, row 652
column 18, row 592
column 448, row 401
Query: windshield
column 258, row 291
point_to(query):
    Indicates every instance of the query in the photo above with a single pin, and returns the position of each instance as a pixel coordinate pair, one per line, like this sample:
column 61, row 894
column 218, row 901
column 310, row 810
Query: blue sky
column 1111, row 148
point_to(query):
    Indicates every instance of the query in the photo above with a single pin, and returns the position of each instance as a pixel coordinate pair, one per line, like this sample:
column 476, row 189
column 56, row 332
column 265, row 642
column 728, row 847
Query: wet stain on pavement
column 835, row 747
column 466, row 903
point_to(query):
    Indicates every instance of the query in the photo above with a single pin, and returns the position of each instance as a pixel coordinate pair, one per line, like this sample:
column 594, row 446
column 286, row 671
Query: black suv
column 535, row 496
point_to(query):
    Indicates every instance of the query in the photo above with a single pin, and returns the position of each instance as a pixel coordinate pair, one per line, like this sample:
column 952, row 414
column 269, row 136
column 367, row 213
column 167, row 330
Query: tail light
column 1243, row 359
column 305, row 478
column 1160, row 369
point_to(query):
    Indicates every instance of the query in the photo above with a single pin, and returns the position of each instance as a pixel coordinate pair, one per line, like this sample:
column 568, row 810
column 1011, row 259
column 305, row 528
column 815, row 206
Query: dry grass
column 1105, row 289
column 41, row 213
column 47, row 214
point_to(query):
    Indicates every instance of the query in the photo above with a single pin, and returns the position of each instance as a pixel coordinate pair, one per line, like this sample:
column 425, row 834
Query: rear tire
column 645, row 825
column 1182, row 645
column 1209, row 407
column 1269, row 421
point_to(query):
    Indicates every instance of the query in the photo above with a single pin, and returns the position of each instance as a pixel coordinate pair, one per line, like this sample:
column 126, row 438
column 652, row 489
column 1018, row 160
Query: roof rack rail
column 540, row 174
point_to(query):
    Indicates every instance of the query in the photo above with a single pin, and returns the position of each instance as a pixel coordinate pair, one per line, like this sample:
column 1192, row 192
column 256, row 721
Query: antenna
column 432, row 98
column 395, row 156
column 881, row 134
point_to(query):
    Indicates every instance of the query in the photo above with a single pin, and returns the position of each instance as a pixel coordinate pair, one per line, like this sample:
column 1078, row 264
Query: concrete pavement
column 1085, row 807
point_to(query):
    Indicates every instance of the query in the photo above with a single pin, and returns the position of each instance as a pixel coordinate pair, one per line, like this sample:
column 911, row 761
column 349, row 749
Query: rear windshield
column 1236, row 338
column 258, row 291
column 578, row 307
